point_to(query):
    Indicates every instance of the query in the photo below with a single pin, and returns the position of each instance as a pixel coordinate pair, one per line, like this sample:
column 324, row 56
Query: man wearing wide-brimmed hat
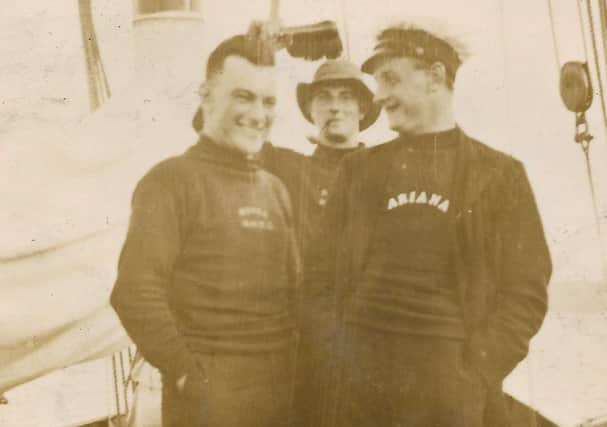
column 439, row 258
column 340, row 105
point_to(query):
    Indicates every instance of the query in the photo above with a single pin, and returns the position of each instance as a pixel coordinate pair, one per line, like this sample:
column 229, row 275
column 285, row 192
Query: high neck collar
column 225, row 155
column 432, row 140
column 332, row 155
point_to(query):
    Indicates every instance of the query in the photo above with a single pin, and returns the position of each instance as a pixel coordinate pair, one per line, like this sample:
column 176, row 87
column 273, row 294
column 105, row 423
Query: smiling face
column 404, row 90
column 335, row 111
column 239, row 104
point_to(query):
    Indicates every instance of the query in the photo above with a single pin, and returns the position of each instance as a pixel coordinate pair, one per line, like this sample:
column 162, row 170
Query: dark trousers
column 315, row 364
column 410, row 381
column 252, row 390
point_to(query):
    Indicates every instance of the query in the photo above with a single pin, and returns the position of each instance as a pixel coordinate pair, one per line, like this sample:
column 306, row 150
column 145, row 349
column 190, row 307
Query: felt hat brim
column 306, row 91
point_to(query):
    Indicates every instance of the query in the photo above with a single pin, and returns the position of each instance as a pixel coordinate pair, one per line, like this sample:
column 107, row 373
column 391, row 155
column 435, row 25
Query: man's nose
column 335, row 105
column 257, row 111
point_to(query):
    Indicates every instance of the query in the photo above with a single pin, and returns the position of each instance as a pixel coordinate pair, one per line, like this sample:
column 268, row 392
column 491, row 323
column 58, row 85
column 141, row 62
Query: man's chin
column 336, row 138
column 397, row 127
column 249, row 145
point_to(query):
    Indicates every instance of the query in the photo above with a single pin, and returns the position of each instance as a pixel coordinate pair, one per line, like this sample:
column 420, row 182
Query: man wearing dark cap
column 206, row 276
column 439, row 258
column 340, row 105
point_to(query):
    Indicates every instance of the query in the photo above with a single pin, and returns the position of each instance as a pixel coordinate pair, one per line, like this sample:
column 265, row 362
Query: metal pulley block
column 576, row 87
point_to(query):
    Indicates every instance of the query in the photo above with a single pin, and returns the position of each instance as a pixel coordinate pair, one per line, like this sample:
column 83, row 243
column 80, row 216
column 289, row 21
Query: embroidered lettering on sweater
column 413, row 197
column 254, row 217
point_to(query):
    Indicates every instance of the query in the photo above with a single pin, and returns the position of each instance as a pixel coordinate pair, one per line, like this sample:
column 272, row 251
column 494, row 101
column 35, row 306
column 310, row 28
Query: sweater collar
column 473, row 171
column 214, row 152
column 432, row 141
column 331, row 155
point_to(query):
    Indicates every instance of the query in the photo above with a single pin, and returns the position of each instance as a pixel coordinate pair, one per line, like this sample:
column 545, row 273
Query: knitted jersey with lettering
column 206, row 263
column 408, row 285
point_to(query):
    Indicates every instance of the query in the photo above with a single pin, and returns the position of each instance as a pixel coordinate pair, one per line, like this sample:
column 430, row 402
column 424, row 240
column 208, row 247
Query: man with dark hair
column 206, row 276
column 438, row 257
column 340, row 105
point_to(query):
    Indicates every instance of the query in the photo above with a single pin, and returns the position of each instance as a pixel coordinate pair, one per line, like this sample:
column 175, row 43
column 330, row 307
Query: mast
column 98, row 86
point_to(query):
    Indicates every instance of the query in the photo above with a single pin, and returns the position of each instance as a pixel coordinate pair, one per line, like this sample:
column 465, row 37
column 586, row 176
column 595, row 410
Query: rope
column 595, row 208
column 586, row 146
column 98, row 85
column 595, row 53
column 131, row 356
column 581, row 18
column 554, row 41
column 344, row 17
column 586, row 150
column 125, row 383
column 116, row 391
column 603, row 20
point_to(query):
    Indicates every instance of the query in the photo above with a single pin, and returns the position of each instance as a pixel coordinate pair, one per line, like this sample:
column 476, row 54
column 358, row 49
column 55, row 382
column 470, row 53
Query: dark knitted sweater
column 408, row 284
column 308, row 180
column 207, row 265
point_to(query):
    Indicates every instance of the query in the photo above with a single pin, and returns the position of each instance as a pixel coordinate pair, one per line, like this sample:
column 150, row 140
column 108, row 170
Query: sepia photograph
column 303, row 213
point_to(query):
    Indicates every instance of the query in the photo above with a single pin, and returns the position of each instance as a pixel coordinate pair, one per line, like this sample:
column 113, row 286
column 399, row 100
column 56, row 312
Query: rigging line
column 586, row 149
column 554, row 41
column 116, row 392
column 344, row 17
column 603, row 21
column 581, row 18
column 595, row 209
column 585, row 145
column 597, row 64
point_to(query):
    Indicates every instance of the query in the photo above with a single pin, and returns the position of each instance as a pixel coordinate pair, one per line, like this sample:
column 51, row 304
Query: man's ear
column 204, row 92
column 438, row 75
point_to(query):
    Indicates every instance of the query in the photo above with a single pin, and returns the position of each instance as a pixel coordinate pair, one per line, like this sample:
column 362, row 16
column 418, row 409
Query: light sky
column 506, row 94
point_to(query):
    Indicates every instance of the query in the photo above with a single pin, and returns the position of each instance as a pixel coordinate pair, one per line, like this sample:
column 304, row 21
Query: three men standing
column 437, row 262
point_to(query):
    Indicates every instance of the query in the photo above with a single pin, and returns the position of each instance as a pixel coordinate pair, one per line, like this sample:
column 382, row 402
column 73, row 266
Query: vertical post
column 274, row 12
column 344, row 20
column 98, row 86
column 603, row 17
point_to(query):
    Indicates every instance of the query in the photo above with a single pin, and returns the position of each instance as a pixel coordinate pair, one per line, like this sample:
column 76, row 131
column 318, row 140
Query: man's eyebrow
column 241, row 91
column 387, row 73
